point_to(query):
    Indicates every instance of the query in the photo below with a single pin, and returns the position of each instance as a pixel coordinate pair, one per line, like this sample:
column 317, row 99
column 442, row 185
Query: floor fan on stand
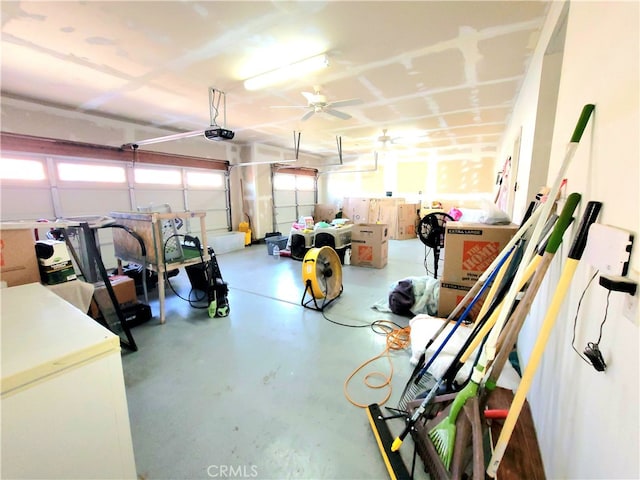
column 431, row 232
column 322, row 276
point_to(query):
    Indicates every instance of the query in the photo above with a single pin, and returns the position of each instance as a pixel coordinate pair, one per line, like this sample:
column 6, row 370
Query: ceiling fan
column 318, row 103
column 385, row 140
column 403, row 138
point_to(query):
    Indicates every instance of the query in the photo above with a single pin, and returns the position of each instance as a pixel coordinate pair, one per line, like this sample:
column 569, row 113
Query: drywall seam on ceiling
column 453, row 43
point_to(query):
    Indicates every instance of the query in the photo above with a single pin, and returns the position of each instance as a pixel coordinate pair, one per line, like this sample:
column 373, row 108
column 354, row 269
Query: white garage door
column 295, row 193
column 36, row 187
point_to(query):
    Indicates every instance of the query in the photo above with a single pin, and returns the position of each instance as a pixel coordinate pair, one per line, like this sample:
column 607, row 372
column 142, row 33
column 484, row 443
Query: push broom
column 443, row 434
column 575, row 254
column 539, row 227
column 415, row 385
column 489, row 351
column 454, row 367
column 485, row 324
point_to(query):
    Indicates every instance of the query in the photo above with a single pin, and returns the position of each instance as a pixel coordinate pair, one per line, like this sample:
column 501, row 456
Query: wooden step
column 522, row 459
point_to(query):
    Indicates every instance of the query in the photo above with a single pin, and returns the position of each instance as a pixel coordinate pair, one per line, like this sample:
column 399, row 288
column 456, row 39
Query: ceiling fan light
column 287, row 72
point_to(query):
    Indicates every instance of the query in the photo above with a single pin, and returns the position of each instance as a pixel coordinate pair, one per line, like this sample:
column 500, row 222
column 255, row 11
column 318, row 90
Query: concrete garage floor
column 259, row 394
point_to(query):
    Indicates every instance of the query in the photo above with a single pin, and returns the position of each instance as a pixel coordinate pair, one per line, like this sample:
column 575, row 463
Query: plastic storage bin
column 281, row 241
column 227, row 242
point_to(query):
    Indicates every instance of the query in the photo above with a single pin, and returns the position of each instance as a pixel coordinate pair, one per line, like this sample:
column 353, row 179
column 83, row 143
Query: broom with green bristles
column 450, row 373
column 571, row 263
column 488, row 353
column 443, row 435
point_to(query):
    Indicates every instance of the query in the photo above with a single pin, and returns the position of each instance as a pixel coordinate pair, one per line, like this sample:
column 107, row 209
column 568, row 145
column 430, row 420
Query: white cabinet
column 63, row 400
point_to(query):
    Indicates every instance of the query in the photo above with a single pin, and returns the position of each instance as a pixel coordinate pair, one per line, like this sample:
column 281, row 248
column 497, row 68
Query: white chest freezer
column 63, row 400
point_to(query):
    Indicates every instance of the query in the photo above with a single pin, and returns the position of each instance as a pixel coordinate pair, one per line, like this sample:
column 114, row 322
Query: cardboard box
column 406, row 221
column 451, row 295
column 470, row 248
column 384, row 211
column 18, row 262
column 369, row 245
column 124, row 287
column 324, row 213
column 356, row 209
column 373, row 210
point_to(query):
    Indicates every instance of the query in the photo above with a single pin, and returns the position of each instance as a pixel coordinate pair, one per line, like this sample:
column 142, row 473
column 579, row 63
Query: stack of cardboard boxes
column 399, row 216
column 375, row 221
column 469, row 249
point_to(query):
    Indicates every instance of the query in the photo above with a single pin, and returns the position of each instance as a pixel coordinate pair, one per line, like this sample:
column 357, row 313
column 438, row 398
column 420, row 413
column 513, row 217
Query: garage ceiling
column 440, row 77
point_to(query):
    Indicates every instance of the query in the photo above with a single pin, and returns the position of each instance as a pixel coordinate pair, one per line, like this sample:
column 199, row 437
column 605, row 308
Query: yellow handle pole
column 575, row 253
column 528, row 273
column 532, row 366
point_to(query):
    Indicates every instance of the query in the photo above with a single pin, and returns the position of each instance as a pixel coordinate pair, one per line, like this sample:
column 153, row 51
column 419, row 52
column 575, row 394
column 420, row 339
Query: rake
column 414, row 389
column 443, row 434
column 486, row 318
column 575, row 254
column 486, row 322
column 419, row 382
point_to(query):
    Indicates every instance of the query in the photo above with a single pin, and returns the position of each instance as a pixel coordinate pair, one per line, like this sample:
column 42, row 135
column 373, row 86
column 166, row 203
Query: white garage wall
column 587, row 422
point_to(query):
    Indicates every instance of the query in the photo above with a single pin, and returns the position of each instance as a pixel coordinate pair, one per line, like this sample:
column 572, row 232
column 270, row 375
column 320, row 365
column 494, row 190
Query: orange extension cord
column 397, row 339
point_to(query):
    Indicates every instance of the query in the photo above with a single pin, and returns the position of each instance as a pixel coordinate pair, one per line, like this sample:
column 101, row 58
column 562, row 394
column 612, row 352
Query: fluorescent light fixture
column 287, row 72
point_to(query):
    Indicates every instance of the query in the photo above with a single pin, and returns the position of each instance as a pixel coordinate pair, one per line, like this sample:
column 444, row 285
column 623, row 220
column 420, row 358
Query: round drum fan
column 322, row 276
column 431, row 232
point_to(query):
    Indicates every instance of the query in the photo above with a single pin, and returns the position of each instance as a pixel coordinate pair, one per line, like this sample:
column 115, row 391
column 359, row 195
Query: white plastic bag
column 492, row 215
